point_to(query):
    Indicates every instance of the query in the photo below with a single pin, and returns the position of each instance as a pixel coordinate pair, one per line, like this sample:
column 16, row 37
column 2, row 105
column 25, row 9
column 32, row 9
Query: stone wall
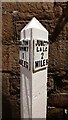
column 54, row 18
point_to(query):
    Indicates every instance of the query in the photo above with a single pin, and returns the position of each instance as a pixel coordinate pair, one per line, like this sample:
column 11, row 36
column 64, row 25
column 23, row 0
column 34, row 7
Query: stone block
column 55, row 100
column 5, row 84
column 7, row 28
column 5, row 57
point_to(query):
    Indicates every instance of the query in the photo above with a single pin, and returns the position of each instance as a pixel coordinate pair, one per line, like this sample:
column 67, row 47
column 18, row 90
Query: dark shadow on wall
column 6, row 108
column 60, row 25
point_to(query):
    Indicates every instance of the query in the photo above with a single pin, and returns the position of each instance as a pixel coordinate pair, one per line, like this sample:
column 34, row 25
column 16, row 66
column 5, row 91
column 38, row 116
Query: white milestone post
column 33, row 66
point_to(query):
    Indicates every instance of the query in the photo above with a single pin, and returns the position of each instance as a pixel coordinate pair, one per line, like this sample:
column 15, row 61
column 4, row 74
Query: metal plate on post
column 40, row 55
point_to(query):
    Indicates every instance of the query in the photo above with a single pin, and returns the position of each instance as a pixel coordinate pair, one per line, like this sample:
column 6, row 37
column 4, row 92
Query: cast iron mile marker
column 33, row 67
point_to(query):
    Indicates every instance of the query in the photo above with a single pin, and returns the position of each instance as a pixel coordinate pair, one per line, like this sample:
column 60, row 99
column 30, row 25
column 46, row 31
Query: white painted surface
column 33, row 83
column 39, row 94
column 25, row 95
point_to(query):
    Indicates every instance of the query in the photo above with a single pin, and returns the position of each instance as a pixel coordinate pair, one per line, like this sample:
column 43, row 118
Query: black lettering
column 41, row 43
column 42, row 54
column 36, row 64
column 23, row 55
column 40, row 49
column 45, row 42
column 25, row 42
column 20, row 62
column 37, row 49
column 46, row 61
column 27, row 65
column 45, row 48
column 39, row 63
column 24, row 49
column 42, row 63
column 38, row 43
column 23, row 63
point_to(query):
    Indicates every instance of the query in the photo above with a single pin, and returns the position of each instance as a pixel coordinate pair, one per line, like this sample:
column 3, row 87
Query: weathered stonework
column 54, row 18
